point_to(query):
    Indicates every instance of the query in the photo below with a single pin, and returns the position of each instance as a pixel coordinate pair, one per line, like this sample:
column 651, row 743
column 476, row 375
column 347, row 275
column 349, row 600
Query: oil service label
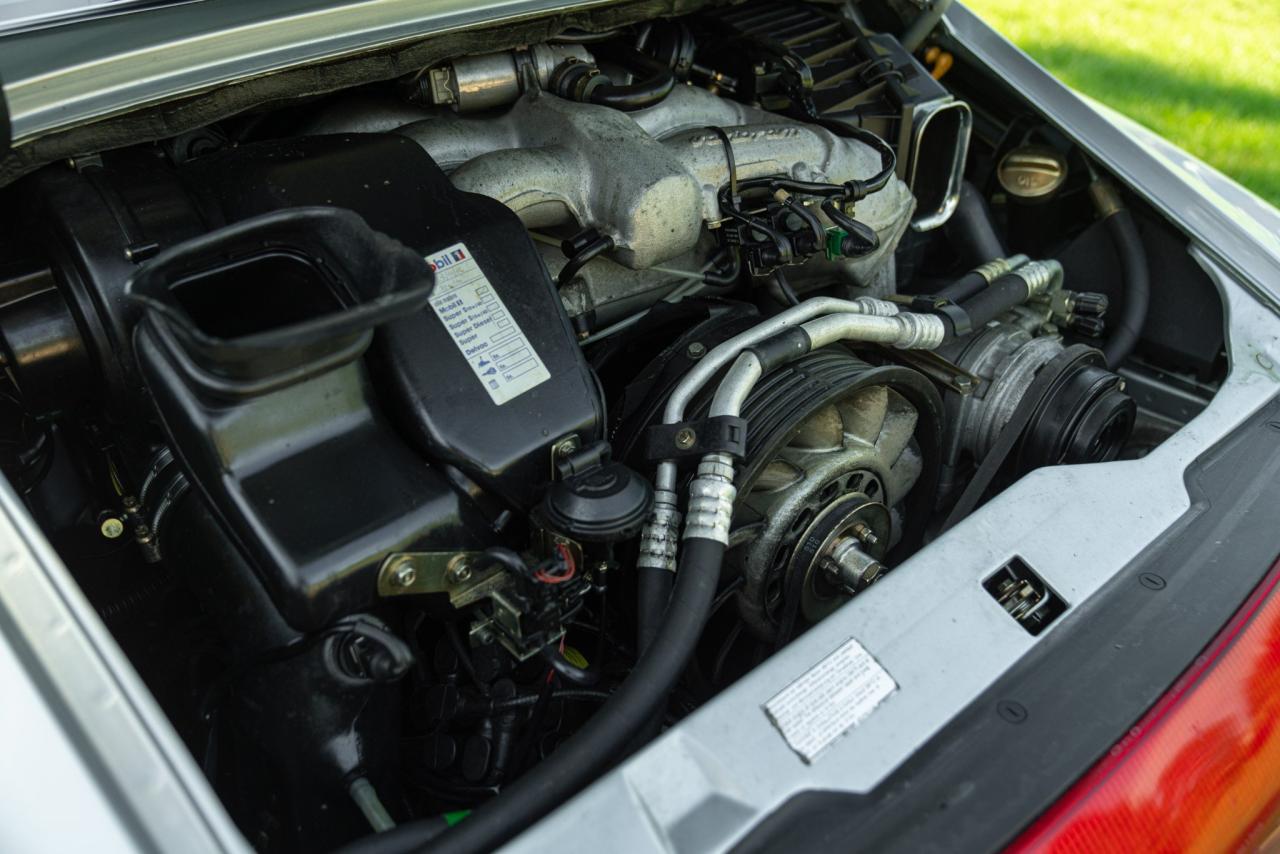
column 487, row 335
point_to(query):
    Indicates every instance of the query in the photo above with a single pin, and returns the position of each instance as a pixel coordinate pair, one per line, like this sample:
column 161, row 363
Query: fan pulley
column 834, row 452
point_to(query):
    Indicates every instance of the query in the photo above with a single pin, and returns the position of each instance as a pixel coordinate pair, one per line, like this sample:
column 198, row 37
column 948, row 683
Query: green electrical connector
column 835, row 243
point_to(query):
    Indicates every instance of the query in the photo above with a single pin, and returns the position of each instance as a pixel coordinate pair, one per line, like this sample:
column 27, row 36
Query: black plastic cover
column 433, row 390
column 273, row 413
column 344, row 441
column 604, row 505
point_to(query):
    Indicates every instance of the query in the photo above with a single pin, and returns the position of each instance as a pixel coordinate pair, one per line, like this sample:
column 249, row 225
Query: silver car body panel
column 91, row 763
column 61, row 77
column 707, row 781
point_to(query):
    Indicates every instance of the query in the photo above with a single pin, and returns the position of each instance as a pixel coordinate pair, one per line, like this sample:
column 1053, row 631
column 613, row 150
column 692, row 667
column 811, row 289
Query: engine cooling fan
column 835, row 450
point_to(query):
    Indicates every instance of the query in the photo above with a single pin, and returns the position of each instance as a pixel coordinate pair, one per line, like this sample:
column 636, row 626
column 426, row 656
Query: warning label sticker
column 487, row 335
column 831, row 698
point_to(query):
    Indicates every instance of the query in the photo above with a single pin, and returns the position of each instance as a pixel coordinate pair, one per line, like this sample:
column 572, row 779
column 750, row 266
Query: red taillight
column 1201, row 771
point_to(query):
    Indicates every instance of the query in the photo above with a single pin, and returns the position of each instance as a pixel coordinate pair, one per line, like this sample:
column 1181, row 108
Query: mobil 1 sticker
column 488, row 336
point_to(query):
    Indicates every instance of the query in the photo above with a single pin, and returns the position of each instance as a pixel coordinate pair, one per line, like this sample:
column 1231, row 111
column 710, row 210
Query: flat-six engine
column 456, row 436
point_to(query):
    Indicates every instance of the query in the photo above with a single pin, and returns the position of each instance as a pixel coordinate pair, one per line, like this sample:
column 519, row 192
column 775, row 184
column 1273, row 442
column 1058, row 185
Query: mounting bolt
column 111, row 527
column 404, row 575
column 963, row 383
column 685, row 439
column 865, row 535
column 565, row 447
column 696, row 350
column 458, row 573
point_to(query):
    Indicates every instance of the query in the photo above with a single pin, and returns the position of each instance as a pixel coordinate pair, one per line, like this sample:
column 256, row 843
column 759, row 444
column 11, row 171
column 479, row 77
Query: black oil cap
column 601, row 505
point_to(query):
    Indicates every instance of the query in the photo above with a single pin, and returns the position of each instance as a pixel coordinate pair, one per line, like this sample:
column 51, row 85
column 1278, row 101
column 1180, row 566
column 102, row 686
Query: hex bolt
column 404, row 575
column 565, row 447
column 458, row 573
column 865, row 535
column 696, row 350
column 111, row 527
column 963, row 383
column 685, row 439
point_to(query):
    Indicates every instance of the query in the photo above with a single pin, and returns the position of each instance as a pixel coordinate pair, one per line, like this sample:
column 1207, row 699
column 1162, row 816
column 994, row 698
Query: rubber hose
column 599, row 743
column 586, row 676
column 989, row 303
column 635, row 96
column 652, row 88
column 653, row 592
column 971, row 230
column 1137, row 287
column 963, row 288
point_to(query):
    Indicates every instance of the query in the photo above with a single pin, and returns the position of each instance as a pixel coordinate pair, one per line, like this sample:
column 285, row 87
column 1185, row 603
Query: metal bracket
column 938, row 369
column 463, row 575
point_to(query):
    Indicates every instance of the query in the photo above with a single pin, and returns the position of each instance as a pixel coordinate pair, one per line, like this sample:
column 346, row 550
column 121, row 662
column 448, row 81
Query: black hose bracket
column 692, row 440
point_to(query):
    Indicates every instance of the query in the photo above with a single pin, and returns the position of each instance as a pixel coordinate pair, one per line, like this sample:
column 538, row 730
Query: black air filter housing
column 324, row 431
column 488, row 377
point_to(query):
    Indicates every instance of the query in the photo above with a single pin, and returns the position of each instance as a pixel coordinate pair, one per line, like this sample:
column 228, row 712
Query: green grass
column 1204, row 75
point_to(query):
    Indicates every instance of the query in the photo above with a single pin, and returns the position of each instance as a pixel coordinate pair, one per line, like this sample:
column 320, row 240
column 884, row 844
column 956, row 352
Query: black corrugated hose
column 594, row 748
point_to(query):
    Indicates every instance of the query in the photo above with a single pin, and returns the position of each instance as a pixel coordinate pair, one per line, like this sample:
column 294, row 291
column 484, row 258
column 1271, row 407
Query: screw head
column 1011, row 711
column 458, row 573
column 565, row 447
column 1151, row 581
column 963, row 383
column 404, row 575
column 685, row 438
column 111, row 527
column 696, row 350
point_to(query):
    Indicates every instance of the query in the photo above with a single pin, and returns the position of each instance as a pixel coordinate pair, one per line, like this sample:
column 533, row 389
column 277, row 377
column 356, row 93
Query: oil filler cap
column 604, row 504
column 1032, row 173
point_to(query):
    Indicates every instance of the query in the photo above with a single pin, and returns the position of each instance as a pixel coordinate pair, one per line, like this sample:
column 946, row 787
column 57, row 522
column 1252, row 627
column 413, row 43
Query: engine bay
column 443, row 439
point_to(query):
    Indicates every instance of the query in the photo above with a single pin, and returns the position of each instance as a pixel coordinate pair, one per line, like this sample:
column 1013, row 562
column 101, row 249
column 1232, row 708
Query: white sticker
column 831, row 698
column 493, row 343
